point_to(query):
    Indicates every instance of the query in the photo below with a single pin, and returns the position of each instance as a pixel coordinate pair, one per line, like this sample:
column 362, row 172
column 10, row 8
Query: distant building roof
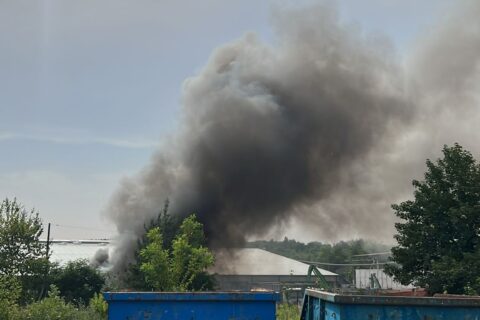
column 252, row 261
column 63, row 252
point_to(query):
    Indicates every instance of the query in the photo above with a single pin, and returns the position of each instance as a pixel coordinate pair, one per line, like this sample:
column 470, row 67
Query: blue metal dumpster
column 319, row 305
column 191, row 306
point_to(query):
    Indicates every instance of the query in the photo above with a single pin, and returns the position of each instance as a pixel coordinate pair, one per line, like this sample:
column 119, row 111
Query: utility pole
column 48, row 240
column 44, row 289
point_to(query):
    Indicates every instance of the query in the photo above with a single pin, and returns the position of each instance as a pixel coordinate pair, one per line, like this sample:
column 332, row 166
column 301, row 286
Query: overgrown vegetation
column 22, row 255
column 26, row 273
column 287, row 311
column 168, row 226
column 438, row 238
column 77, row 281
column 10, row 290
column 55, row 307
column 171, row 256
column 181, row 268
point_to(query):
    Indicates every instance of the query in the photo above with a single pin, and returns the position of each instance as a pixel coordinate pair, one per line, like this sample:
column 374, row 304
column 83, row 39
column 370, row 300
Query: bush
column 286, row 311
column 22, row 254
column 99, row 305
column 78, row 282
column 183, row 268
column 10, row 290
column 54, row 307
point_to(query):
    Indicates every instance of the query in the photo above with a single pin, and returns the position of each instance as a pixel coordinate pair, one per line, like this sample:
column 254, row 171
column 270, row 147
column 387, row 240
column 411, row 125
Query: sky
column 89, row 89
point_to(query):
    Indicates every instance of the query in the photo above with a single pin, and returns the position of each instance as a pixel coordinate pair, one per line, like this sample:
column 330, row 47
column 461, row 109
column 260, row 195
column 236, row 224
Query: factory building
column 256, row 269
column 363, row 280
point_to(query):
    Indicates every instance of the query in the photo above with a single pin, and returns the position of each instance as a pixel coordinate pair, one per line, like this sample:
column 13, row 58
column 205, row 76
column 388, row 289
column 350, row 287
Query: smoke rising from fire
column 324, row 125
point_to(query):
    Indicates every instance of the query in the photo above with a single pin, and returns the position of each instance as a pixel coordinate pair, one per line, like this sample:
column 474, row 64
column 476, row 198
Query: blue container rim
column 192, row 296
column 391, row 300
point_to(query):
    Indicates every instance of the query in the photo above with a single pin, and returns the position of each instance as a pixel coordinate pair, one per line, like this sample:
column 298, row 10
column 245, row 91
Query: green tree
column 155, row 262
column 167, row 226
column 184, row 266
column 190, row 258
column 438, row 237
column 99, row 305
column 10, row 290
column 22, row 255
column 77, row 282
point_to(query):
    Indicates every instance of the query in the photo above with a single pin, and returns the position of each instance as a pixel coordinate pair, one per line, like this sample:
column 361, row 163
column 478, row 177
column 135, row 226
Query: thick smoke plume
column 322, row 126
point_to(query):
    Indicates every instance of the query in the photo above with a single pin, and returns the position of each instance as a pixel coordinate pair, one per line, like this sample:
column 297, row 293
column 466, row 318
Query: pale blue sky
column 89, row 88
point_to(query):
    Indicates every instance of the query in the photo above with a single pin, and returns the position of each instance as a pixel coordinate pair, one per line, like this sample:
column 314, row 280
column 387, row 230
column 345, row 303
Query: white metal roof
column 252, row 261
column 64, row 252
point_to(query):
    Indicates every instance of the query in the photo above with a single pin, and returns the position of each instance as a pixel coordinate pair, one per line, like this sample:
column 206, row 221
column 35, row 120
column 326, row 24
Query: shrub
column 10, row 291
column 99, row 305
column 286, row 311
column 77, row 282
column 54, row 307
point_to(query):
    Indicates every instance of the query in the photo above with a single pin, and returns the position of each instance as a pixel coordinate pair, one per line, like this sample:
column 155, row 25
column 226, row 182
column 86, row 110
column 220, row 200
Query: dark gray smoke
column 308, row 127
column 100, row 258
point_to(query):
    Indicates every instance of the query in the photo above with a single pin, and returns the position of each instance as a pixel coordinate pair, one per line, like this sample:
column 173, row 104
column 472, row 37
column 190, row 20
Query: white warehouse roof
column 63, row 252
column 252, row 261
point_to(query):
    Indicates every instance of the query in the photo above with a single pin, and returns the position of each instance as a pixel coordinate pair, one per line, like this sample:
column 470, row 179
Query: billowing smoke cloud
column 323, row 125
column 100, row 258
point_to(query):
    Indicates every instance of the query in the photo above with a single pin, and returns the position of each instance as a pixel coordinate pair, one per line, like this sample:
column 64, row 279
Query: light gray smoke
column 322, row 126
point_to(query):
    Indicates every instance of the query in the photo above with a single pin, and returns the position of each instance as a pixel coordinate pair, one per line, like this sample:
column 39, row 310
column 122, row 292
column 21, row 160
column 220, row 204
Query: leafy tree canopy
column 167, row 226
column 155, row 262
column 77, row 282
column 181, row 268
column 439, row 235
column 21, row 252
column 10, row 291
column 22, row 255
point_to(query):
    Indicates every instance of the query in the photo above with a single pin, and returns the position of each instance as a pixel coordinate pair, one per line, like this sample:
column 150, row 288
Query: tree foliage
column 286, row 311
column 22, row 255
column 167, row 225
column 155, row 262
column 21, row 252
column 51, row 307
column 10, row 290
column 190, row 258
column 99, row 305
column 181, row 268
column 25, row 272
column 438, row 238
column 77, row 282
column 55, row 307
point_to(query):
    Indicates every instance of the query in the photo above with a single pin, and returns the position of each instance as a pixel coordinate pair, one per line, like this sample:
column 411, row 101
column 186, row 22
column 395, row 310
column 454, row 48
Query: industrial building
column 256, row 269
column 363, row 280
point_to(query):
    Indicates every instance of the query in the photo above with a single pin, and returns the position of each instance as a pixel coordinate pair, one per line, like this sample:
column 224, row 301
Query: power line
column 81, row 227
column 344, row 264
column 373, row 254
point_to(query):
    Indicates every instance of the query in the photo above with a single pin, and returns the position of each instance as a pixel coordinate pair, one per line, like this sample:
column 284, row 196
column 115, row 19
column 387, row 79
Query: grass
column 286, row 311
